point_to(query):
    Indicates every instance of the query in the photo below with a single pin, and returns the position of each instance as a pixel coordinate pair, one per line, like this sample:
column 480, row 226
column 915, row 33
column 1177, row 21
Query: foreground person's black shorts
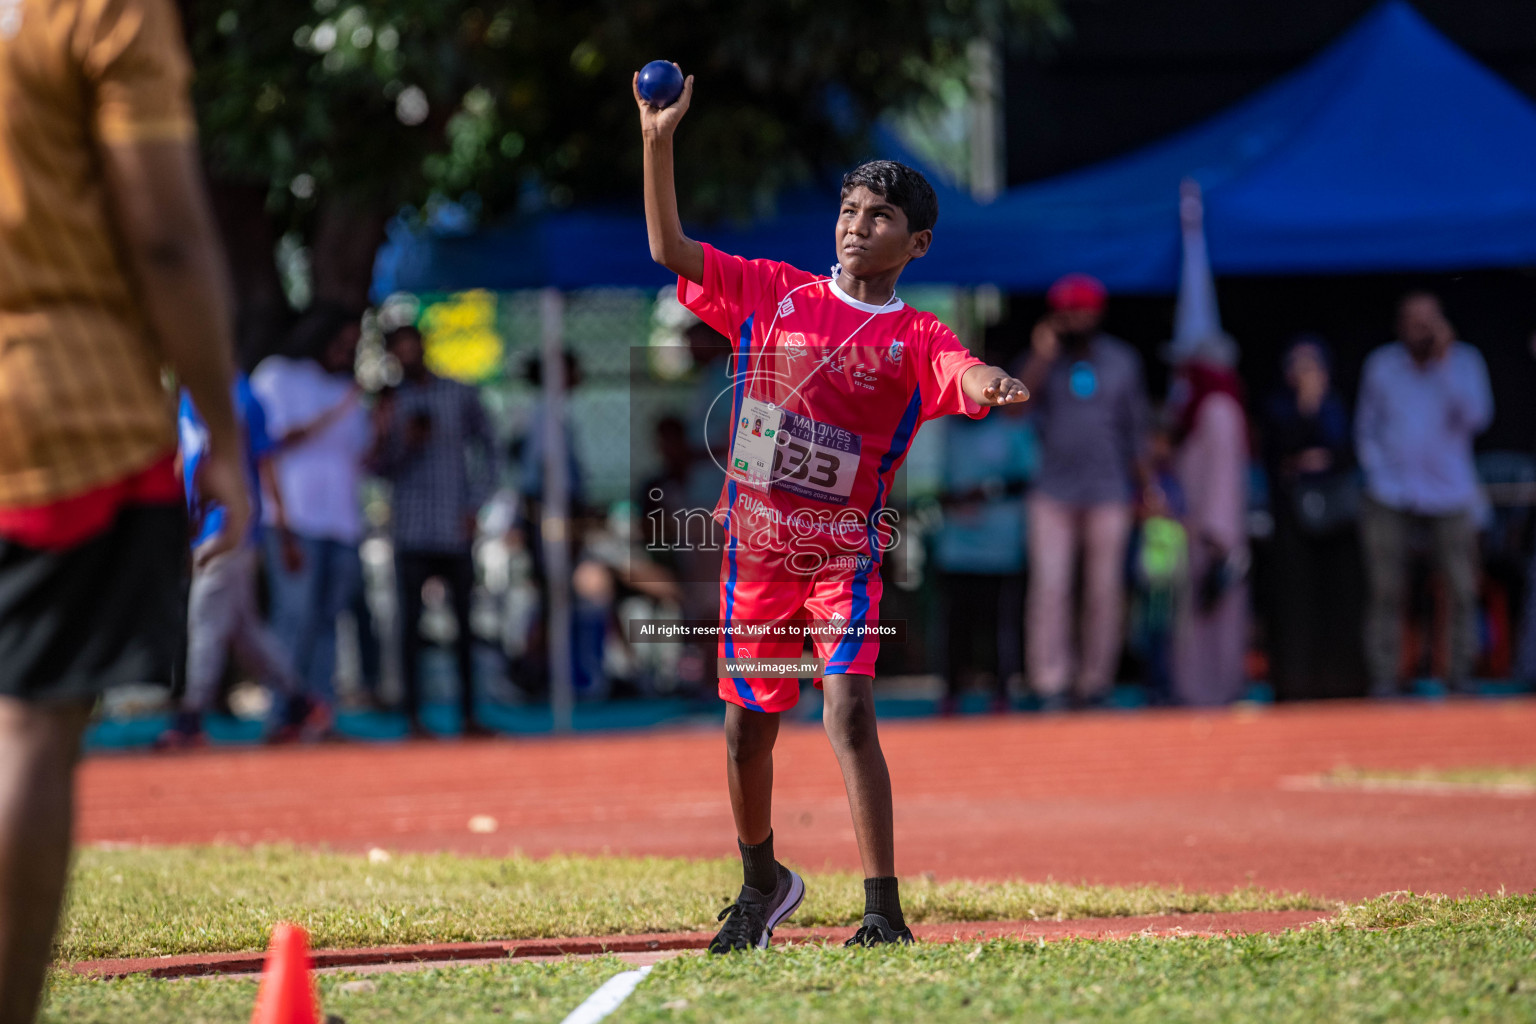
column 104, row 612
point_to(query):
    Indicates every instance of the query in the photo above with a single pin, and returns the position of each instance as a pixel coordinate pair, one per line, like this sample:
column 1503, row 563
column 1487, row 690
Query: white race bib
column 816, row 460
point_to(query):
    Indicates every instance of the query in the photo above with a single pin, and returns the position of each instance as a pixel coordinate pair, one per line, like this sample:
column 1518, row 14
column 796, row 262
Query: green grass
column 1432, row 973
column 1404, row 909
column 1397, row 958
column 153, row 902
column 1492, row 777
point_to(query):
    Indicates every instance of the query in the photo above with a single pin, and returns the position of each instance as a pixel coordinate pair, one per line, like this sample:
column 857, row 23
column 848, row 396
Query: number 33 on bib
column 794, row 453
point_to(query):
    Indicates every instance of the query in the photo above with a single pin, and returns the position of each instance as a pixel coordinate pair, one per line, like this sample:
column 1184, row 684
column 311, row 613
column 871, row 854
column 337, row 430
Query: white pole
column 985, row 135
column 556, row 514
column 986, row 117
column 1196, row 317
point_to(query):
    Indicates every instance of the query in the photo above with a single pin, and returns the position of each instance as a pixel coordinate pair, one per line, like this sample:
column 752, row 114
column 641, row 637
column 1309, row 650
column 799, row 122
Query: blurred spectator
column 1422, row 400
column 665, row 498
column 617, row 579
column 529, row 454
column 979, row 551
column 679, row 530
column 1211, row 462
column 1161, row 570
column 680, row 535
column 1314, row 624
column 709, row 414
column 709, row 426
column 434, row 446
column 370, row 667
column 1090, row 409
column 221, row 606
column 322, row 433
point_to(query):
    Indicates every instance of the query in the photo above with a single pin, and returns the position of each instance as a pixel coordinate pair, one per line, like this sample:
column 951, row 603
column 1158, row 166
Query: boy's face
column 872, row 235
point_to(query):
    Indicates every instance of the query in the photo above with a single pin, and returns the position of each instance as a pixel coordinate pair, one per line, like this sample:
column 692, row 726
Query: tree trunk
column 346, row 239
column 262, row 316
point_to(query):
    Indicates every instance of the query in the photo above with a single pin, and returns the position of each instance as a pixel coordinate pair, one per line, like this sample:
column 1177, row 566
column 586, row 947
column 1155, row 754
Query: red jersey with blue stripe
column 854, row 382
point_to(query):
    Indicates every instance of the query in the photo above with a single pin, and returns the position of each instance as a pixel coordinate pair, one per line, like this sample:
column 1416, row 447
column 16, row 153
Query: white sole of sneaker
column 791, row 904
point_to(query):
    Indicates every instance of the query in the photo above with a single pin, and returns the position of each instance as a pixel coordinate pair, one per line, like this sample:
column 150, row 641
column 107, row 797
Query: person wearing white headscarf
column 1211, row 462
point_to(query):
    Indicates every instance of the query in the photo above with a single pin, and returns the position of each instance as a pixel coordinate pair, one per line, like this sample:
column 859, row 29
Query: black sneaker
column 750, row 921
column 877, row 931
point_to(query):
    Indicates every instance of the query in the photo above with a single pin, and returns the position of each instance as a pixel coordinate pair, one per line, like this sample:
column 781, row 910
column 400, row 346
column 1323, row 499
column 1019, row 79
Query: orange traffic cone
column 287, row 994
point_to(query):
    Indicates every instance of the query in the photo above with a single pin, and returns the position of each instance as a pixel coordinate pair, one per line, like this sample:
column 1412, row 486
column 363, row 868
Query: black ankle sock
column 881, row 897
column 758, row 868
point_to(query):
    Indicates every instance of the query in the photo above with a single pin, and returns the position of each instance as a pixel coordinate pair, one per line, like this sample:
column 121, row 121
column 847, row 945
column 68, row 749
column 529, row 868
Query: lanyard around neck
column 768, row 335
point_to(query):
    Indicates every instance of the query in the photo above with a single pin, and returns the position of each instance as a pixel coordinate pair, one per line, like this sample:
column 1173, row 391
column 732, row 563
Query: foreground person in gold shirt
column 109, row 271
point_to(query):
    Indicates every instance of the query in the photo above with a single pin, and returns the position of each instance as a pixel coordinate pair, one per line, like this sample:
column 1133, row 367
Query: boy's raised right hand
column 661, row 122
column 669, row 245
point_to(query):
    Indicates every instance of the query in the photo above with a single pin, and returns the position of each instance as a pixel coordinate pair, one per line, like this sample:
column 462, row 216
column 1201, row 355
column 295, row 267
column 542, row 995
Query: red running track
column 1190, row 798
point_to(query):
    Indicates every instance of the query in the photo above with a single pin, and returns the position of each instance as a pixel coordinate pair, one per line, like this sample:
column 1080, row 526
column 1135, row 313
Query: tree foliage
column 322, row 118
column 519, row 102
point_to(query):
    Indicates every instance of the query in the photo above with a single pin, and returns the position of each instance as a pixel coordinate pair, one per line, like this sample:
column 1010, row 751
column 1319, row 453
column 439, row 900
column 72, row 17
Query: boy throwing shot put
column 840, row 373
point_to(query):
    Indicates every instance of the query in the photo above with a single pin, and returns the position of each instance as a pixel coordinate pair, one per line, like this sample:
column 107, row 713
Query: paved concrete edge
column 1165, row 925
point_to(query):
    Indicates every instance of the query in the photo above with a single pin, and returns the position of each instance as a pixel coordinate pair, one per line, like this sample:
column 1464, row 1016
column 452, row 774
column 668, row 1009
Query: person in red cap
column 1091, row 413
column 1078, row 300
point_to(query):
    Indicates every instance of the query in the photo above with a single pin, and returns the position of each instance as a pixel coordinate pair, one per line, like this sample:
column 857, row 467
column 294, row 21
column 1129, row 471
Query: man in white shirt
column 1422, row 401
column 322, row 434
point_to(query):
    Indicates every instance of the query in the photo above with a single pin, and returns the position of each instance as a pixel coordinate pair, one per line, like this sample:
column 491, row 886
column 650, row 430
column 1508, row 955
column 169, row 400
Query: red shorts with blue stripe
column 848, row 600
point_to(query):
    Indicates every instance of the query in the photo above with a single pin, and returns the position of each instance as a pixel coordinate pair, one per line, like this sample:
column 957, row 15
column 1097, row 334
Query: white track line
column 607, row 998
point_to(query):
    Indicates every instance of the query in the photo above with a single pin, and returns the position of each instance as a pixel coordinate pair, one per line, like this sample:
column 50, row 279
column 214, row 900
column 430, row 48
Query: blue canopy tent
column 1392, row 150
column 606, row 246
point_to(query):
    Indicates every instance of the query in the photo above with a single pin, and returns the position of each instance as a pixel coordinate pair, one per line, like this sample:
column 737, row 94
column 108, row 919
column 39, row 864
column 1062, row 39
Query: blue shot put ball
column 660, row 83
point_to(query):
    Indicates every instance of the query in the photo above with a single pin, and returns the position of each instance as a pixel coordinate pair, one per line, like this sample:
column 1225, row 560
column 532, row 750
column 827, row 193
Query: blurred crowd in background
column 1099, row 546
column 1271, row 515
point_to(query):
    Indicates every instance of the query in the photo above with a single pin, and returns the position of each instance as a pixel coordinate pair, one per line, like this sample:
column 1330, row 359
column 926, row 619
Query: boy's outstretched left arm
column 993, row 385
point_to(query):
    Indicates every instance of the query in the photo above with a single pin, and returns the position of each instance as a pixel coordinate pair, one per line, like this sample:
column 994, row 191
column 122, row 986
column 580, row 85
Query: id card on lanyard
column 752, row 449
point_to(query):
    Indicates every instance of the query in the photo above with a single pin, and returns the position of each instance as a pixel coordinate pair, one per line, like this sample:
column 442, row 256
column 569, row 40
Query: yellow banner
column 462, row 341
